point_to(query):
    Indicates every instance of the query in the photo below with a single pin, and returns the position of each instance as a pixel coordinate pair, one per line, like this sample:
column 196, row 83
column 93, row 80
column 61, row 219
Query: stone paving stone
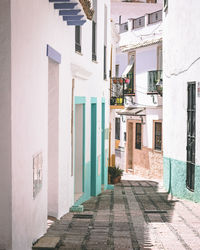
column 119, row 221
column 47, row 242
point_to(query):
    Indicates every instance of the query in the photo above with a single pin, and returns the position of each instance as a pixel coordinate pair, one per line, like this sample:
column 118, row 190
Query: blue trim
column 69, row 12
column 72, row 17
column 93, row 99
column 76, row 22
column 64, row 5
column 54, row 1
column 53, row 54
column 80, row 99
column 103, row 100
column 110, row 187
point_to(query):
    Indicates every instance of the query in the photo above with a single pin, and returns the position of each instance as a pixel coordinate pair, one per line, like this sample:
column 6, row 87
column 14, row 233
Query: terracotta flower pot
column 116, row 179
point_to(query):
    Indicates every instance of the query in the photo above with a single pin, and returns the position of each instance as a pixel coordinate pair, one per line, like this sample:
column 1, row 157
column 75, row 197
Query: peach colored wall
column 146, row 162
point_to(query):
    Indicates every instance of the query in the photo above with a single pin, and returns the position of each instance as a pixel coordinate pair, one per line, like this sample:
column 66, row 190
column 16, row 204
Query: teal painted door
column 103, row 144
column 93, row 151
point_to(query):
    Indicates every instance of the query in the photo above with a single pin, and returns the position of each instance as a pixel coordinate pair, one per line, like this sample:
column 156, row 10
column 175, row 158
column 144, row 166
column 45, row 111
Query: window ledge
column 158, row 151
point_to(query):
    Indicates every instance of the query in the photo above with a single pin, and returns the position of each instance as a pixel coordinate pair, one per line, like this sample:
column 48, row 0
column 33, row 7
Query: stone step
column 47, row 243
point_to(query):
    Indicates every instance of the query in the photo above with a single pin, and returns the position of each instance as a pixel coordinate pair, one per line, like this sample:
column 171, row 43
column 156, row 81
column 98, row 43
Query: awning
column 128, row 67
column 133, row 112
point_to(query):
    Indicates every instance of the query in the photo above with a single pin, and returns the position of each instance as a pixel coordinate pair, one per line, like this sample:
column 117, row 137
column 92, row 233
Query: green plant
column 114, row 172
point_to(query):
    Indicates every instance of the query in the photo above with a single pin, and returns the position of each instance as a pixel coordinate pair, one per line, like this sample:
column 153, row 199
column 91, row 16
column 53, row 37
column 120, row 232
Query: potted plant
column 115, row 174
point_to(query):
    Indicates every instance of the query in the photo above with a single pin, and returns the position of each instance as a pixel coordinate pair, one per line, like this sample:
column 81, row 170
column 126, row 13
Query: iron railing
column 117, row 92
column 123, row 27
column 153, row 78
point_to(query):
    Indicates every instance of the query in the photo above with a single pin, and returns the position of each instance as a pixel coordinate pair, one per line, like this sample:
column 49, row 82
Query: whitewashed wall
column 29, row 73
column 181, row 65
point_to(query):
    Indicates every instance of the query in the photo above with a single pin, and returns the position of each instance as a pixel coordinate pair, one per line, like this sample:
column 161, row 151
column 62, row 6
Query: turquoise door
column 93, row 151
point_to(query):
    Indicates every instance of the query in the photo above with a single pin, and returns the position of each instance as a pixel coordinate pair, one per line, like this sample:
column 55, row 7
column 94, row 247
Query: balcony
column 117, row 92
column 120, row 88
column 154, row 77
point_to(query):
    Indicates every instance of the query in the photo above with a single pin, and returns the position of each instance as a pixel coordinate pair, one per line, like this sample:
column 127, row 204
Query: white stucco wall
column 152, row 114
column 28, row 100
column 146, row 60
column 89, row 80
column 181, row 65
column 5, row 126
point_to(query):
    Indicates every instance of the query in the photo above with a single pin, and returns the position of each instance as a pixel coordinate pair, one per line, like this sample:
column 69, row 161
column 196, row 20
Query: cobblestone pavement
column 135, row 215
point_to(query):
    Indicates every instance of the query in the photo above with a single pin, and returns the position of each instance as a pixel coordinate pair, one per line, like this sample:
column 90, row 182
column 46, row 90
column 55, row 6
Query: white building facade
column 51, row 91
column 181, row 99
column 136, row 113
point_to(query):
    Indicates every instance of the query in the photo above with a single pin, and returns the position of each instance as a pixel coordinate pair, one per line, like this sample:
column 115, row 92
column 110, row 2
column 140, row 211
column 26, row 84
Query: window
column 158, row 136
column 94, row 33
column 117, row 128
column 94, row 57
column 191, row 135
column 78, row 39
column 138, row 136
column 117, row 70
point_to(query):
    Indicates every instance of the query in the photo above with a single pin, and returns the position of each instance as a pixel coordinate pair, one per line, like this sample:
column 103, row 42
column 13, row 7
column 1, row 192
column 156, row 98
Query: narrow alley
column 137, row 214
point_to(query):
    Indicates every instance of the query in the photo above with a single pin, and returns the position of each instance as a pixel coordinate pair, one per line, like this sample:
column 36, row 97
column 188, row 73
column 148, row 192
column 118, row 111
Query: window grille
column 191, row 135
column 138, row 136
column 158, row 136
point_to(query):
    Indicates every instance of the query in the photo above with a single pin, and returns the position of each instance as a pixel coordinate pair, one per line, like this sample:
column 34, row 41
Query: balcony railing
column 153, row 78
column 120, row 88
column 123, row 27
column 117, row 92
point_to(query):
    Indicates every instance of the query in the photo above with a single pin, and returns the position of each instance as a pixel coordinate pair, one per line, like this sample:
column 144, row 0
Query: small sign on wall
column 37, row 173
column 198, row 89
